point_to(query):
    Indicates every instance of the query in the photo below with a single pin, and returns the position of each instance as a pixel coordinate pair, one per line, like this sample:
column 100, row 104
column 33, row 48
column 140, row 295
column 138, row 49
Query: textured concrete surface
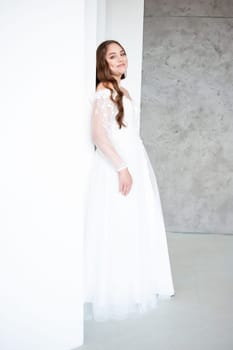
column 199, row 316
column 187, row 111
column 209, row 8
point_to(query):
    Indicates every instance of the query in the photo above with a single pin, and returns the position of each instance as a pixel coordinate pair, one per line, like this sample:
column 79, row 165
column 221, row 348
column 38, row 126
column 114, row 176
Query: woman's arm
column 101, row 116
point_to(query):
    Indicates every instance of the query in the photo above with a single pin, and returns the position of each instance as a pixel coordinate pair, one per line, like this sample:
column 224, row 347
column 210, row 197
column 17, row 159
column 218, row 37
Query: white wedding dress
column 126, row 260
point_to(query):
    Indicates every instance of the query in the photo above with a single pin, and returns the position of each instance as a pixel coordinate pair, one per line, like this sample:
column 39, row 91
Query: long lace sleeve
column 102, row 114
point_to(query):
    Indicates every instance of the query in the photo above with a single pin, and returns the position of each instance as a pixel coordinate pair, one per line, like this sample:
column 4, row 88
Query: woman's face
column 116, row 59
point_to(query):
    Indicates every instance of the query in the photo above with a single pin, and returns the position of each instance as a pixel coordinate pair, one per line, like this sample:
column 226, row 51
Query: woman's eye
column 112, row 57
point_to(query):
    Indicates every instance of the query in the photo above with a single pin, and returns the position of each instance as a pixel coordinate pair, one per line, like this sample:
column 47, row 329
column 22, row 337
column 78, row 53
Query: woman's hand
column 125, row 181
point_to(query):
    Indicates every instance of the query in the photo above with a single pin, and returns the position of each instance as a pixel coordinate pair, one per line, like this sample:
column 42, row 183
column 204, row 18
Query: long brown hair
column 103, row 74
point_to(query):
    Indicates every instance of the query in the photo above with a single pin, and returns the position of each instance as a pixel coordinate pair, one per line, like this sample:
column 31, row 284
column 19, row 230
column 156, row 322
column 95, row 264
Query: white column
column 101, row 21
column 124, row 23
column 41, row 178
column 47, row 77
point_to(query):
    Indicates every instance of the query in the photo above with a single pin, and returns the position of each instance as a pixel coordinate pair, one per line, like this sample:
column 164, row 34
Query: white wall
column 47, row 67
column 124, row 23
column 42, row 114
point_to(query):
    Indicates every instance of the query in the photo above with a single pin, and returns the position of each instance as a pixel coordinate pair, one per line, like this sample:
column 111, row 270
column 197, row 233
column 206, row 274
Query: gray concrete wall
column 187, row 110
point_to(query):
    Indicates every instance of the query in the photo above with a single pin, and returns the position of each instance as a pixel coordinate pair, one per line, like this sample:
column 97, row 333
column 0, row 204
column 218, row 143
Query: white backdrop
column 41, row 139
column 124, row 22
column 47, row 65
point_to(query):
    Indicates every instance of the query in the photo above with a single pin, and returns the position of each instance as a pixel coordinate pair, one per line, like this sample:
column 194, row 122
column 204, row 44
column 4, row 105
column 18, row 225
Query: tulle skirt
column 126, row 261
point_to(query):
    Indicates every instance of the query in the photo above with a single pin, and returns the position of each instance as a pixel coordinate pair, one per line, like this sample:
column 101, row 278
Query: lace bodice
column 106, row 134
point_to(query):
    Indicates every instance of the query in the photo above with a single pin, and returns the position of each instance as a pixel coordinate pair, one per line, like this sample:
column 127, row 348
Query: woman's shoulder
column 104, row 86
column 101, row 87
column 102, row 91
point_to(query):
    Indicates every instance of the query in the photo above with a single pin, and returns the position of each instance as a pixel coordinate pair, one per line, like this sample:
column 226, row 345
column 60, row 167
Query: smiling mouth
column 121, row 65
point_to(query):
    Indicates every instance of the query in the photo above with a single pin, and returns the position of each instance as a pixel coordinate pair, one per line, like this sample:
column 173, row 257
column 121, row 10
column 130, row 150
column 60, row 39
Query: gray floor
column 199, row 316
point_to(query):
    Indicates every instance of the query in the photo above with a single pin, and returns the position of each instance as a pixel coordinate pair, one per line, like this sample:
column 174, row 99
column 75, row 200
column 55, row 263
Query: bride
column 126, row 261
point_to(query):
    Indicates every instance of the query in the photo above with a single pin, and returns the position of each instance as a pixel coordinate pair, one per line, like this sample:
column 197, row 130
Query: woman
column 127, row 265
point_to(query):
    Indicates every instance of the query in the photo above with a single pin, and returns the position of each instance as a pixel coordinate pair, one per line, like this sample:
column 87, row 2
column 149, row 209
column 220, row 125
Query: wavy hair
column 104, row 75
